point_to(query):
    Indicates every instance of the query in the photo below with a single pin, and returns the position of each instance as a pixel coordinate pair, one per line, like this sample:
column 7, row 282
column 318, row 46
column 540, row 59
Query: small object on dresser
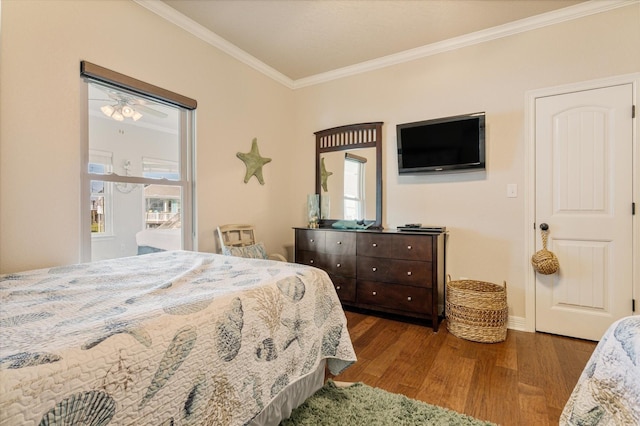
column 313, row 210
column 350, row 224
column 421, row 228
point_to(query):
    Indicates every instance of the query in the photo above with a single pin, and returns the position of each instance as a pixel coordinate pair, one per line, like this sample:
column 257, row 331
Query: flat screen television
column 442, row 145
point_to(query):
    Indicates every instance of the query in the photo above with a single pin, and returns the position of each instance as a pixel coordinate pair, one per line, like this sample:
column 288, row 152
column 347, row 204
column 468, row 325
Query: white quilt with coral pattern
column 608, row 391
column 175, row 338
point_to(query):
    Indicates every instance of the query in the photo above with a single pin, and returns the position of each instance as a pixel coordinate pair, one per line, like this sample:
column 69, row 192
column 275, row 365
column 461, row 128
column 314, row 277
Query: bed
column 608, row 390
column 167, row 338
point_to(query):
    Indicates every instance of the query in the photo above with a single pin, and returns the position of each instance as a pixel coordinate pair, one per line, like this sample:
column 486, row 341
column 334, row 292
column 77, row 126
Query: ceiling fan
column 121, row 105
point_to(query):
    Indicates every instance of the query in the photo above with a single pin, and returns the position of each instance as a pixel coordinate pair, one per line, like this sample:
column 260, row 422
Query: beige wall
column 42, row 43
column 487, row 229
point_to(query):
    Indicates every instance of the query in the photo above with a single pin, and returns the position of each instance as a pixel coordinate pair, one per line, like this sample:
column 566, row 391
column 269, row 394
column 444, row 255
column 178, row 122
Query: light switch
column 512, row 190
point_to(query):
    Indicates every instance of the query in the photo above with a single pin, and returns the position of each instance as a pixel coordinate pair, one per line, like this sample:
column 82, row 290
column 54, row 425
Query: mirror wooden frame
column 352, row 136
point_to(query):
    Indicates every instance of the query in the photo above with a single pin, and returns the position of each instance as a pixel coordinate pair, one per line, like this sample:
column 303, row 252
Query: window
column 354, row 197
column 101, row 193
column 139, row 166
column 162, row 203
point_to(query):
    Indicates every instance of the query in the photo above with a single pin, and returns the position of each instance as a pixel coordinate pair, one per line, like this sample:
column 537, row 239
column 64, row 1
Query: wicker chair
column 240, row 240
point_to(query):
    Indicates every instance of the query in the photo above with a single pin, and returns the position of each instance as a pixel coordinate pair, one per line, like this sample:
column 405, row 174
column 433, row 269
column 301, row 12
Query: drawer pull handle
column 311, row 261
column 374, row 269
column 338, row 265
column 409, row 273
column 408, row 247
column 339, row 242
column 374, row 293
column 409, row 298
column 337, row 287
column 312, row 240
column 374, row 245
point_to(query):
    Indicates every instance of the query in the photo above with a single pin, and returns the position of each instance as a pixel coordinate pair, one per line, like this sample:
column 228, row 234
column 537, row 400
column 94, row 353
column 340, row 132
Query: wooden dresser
column 396, row 272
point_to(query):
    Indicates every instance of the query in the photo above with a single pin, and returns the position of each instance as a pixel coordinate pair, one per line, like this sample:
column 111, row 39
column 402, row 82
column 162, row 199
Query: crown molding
column 170, row 14
column 590, row 7
column 523, row 25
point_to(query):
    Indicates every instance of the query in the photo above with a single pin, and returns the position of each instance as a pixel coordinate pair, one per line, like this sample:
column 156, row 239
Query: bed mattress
column 166, row 338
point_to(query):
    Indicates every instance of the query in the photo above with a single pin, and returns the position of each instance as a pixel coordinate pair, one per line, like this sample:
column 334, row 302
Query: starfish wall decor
column 254, row 162
column 324, row 175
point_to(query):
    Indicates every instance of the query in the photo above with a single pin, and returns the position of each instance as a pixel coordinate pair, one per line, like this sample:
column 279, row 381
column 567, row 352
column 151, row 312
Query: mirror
column 349, row 174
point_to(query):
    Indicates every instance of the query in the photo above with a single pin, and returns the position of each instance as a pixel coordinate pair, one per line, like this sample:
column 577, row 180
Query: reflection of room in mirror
column 333, row 146
column 352, row 195
column 325, row 207
column 129, row 218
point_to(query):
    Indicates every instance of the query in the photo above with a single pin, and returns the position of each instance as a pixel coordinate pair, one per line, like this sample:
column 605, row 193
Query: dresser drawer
column 395, row 246
column 399, row 273
column 409, row 272
column 310, row 240
column 337, row 264
column 340, row 242
column 345, row 288
column 398, row 297
column 310, row 258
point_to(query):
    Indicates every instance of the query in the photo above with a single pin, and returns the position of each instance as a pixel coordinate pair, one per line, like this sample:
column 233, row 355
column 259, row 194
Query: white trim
column 545, row 19
column 529, row 178
column 516, row 323
column 489, row 34
column 170, row 14
column 85, row 196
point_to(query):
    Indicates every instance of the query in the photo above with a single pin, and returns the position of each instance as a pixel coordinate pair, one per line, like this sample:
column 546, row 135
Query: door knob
column 544, row 226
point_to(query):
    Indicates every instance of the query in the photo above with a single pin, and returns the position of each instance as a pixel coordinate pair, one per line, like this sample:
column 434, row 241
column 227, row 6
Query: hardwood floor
column 525, row 380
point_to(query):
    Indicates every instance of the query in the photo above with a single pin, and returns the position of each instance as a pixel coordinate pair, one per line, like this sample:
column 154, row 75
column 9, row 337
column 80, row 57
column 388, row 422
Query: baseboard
column 516, row 323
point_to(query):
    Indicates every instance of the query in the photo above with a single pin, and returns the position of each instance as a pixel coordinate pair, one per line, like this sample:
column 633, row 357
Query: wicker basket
column 477, row 310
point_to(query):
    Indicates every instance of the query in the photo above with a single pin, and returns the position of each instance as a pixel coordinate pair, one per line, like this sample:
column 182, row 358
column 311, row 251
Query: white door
column 583, row 181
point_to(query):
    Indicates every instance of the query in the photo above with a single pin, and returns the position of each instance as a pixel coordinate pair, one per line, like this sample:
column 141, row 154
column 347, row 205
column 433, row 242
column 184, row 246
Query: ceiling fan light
column 117, row 116
column 127, row 111
column 107, row 110
column 136, row 116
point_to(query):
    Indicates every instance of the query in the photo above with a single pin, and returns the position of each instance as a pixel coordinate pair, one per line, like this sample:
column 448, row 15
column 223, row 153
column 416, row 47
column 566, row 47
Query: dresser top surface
column 375, row 231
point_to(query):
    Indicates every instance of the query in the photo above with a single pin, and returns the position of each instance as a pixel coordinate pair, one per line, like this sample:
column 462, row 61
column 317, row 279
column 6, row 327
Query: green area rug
column 360, row 404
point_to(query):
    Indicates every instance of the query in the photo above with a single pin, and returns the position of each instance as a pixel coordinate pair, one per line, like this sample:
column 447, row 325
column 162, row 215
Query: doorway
column 582, row 150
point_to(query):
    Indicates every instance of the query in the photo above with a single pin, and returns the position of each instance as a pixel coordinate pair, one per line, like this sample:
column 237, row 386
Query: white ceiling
column 305, row 38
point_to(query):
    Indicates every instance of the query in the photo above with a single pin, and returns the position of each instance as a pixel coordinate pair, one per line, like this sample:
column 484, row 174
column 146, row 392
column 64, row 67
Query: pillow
column 256, row 251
